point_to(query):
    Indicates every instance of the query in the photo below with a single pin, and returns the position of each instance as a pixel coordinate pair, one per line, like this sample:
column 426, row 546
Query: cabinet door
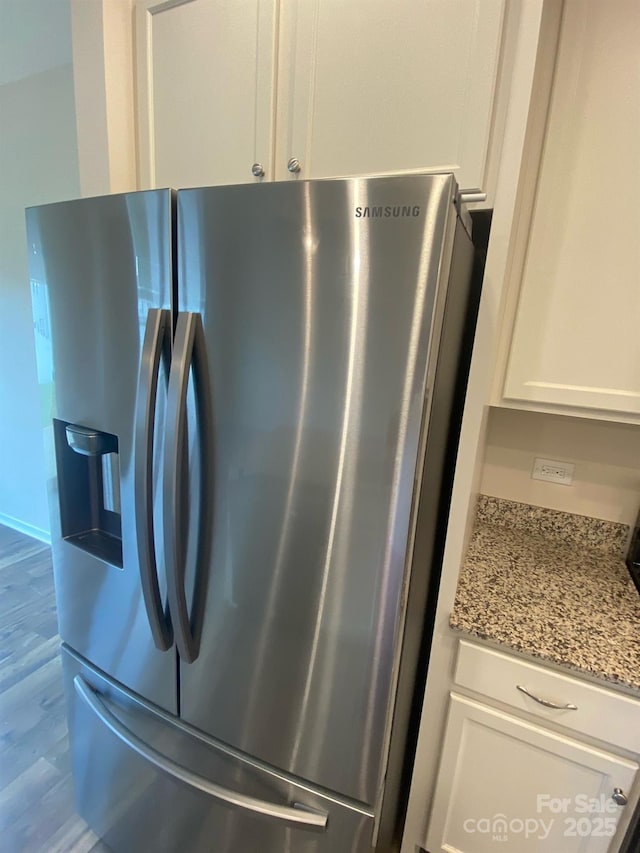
column 505, row 784
column 576, row 340
column 370, row 86
column 205, row 90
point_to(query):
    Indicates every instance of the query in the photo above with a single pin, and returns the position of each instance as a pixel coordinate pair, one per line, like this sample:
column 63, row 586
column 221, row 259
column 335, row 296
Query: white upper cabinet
column 345, row 88
column 576, row 341
column 369, row 86
column 205, row 90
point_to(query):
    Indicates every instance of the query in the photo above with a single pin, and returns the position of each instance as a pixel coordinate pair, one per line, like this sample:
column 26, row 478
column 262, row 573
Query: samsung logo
column 387, row 211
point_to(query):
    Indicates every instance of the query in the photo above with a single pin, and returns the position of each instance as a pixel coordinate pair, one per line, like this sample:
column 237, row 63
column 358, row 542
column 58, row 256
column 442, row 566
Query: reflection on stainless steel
column 275, row 567
column 414, row 388
column 330, row 613
column 309, row 284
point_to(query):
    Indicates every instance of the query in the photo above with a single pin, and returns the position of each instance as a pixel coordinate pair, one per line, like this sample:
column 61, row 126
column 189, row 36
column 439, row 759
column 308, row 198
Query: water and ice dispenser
column 89, row 490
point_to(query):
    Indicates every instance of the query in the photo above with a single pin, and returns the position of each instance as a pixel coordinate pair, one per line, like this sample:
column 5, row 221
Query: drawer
column 145, row 781
column 598, row 713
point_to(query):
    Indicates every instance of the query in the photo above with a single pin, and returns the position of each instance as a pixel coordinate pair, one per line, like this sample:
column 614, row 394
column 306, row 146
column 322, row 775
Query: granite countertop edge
column 554, row 589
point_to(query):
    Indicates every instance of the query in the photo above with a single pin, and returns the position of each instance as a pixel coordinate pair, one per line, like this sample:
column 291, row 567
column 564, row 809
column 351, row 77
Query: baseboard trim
column 28, row 529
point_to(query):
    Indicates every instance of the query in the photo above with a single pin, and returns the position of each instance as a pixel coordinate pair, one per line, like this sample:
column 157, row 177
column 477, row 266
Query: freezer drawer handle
column 298, row 815
column 156, row 345
column 188, row 353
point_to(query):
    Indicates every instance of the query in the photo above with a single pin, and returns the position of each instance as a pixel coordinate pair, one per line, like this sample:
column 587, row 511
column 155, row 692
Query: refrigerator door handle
column 297, row 814
column 188, row 352
column 155, row 346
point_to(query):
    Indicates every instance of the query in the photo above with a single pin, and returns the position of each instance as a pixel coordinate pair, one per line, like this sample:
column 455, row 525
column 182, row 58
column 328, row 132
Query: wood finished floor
column 37, row 809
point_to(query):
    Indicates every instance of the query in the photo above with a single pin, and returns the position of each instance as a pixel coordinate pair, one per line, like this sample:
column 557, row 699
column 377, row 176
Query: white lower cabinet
column 508, row 784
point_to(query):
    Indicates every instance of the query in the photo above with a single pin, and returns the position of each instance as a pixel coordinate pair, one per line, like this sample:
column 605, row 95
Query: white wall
column 606, row 456
column 38, row 164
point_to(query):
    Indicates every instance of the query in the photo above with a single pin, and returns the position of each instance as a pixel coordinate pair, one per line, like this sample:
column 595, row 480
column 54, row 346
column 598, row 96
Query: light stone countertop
column 553, row 586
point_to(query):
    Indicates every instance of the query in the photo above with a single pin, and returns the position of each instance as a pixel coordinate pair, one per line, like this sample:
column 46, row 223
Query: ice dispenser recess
column 89, row 490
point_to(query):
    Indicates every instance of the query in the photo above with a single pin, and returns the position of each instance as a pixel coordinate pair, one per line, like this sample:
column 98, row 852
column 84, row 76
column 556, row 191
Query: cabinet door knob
column 293, row 165
column 257, row 170
column 619, row 797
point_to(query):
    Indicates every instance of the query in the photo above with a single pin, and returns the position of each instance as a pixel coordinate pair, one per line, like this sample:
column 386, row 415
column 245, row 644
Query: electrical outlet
column 553, row 471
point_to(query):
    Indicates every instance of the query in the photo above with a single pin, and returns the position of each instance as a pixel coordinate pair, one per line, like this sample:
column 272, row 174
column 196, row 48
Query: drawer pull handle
column 545, row 702
column 619, row 797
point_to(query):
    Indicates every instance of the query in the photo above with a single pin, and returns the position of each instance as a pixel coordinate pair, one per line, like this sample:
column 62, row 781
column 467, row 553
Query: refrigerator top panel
column 317, row 301
column 96, row 268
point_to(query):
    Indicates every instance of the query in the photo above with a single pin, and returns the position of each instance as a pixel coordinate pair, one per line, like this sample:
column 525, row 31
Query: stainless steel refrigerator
column 255, row 399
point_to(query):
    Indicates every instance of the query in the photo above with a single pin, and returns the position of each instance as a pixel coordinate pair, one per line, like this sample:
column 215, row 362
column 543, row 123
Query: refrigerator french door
column 274, row 368
column 103, row 264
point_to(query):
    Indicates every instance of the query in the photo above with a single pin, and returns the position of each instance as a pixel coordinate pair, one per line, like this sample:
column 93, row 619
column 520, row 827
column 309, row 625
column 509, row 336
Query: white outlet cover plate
column 553, row 471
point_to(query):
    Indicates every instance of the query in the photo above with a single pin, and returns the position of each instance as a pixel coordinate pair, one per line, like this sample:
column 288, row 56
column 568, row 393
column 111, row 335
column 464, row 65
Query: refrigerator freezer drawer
column 145, row 781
